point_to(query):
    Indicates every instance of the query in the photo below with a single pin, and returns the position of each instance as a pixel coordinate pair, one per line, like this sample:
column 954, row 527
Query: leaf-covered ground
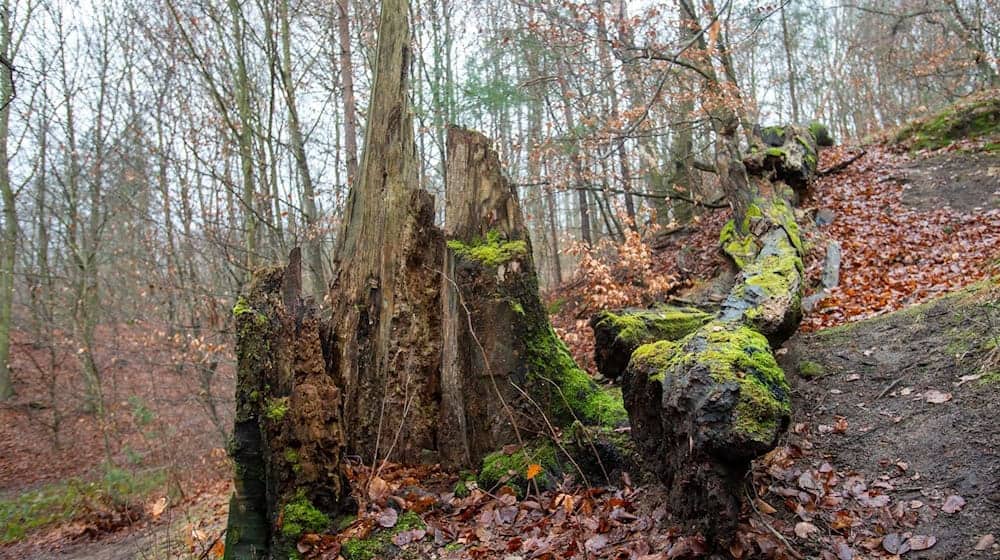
column 892, row 453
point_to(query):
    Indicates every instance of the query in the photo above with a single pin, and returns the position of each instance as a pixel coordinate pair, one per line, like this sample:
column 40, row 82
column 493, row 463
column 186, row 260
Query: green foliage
column 300, row 516
column 141, row 413
column 379, row 543
column 60, row 502
column 492, row 251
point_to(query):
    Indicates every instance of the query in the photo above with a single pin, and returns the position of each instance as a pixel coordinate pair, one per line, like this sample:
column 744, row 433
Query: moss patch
column 810, row 369
column 573, row 394
column 493, row 251
column 503, row 468
column 300, row 516
column 661, row 322
column 276, row 409
column 976, row 118
column 734, row 354
column 741, row 248
column 379, row 543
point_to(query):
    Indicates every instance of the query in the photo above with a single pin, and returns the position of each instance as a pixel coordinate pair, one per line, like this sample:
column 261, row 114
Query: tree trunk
column 384, row 341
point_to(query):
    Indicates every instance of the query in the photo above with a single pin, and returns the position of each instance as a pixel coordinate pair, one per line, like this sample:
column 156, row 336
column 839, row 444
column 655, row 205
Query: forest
column 528, row 279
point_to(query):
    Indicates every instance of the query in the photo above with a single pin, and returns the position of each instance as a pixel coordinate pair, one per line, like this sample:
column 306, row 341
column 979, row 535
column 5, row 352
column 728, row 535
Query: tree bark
column 385, row 348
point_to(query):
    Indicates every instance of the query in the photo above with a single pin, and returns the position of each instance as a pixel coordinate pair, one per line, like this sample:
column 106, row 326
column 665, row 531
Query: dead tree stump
column 288, row 436
column 506, row 376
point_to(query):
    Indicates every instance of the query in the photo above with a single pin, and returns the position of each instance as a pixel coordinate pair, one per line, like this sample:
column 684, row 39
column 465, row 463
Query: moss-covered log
column 506, row 377
column 618, row 333
column 702, row 407
column 288, row 436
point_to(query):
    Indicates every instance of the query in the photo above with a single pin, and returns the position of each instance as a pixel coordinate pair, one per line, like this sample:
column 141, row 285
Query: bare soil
column 965, row 182
column 880, row 377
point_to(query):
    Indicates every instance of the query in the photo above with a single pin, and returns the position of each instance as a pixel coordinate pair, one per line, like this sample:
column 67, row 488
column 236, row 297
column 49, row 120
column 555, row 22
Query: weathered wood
column 288, row 436
column 506, row 377
column 384, row 341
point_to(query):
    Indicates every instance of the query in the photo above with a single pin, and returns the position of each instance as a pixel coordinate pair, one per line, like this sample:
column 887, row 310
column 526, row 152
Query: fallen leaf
column 936, row 397
column 534, row 469
column 387, row 518
column 922, row 542
column 596, row 543
column 803, row 529
column 985, row 541
column 953, row 504
column 894, row 544
column 765, row 507
column 157, row 508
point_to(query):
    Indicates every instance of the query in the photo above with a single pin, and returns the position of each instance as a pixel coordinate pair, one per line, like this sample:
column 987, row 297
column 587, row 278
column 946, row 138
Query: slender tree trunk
column 313, row 236
column 8, row 248
column 347, row 83
column 787, row 40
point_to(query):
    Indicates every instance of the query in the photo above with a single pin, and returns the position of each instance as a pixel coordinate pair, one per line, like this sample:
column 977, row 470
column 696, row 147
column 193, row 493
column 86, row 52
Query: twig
column 889, row 388
column 791, row 550
column 833, row 170
column 208, row 549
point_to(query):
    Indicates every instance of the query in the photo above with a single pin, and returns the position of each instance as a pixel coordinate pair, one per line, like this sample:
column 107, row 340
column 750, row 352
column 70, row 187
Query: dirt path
column 894, row 404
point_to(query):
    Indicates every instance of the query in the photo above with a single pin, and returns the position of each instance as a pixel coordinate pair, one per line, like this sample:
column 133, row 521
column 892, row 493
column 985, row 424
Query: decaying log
column 704, row 405
column 618, row 333
column 288, row 436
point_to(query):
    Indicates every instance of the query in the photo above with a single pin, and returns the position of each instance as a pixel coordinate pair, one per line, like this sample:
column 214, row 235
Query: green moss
column 734, row 354
column 775, row 152
column 276, row 409
column 811, row 369
column 573, row 394
column 741, row 248
column 656, row 357
column 461, row 489
column 517, row 307
column 661, row 322
column 493, row 251
column 379, row 543
column 971, row 119
column 502, row 468
column 300, row 516
column 821, row 134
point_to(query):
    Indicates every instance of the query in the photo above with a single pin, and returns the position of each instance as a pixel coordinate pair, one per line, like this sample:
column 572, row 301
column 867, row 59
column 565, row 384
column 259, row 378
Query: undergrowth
column 70, row 499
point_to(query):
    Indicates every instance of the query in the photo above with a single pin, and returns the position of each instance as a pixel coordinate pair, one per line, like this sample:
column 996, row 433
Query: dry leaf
column 534, row 469
column 803, row 529
column 922, row 542
column 985, row 541
column 953, row 504
column 387, row 518
column 158, row 507
column 936, row 397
